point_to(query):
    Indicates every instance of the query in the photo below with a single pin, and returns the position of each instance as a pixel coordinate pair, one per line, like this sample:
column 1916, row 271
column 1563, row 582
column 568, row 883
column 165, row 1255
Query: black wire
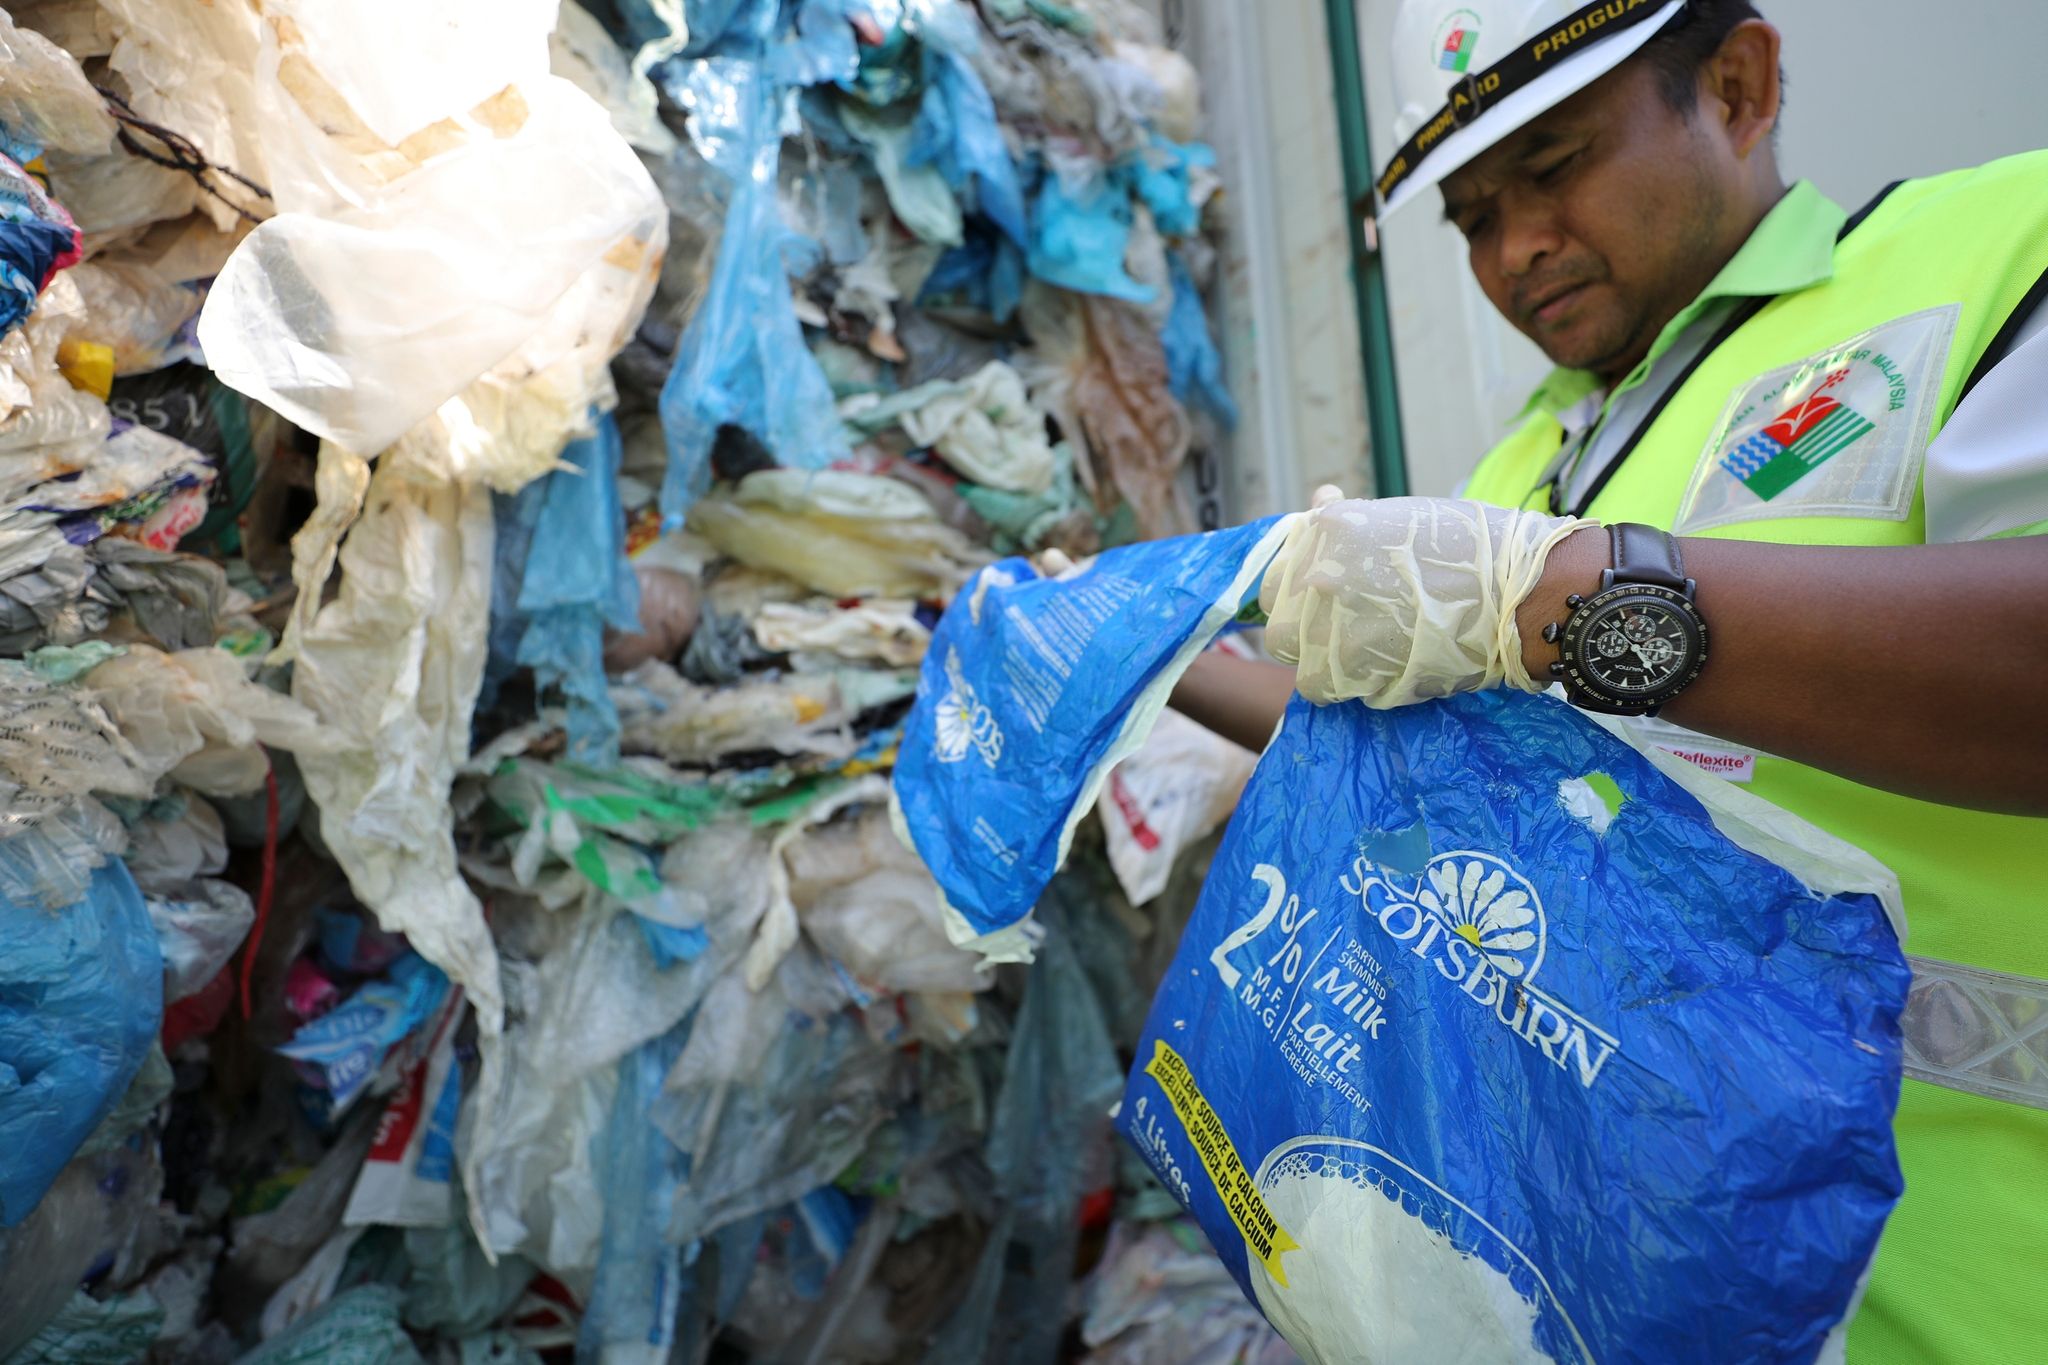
column 183, row 154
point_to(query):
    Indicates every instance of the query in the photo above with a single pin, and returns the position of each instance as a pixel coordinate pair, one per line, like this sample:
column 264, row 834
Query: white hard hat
column 1469, row 72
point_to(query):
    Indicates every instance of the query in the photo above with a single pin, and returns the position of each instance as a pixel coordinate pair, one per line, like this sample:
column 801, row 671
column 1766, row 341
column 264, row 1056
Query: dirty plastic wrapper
column 406, row 1180
column 1032, row 690
column 1494, row 1039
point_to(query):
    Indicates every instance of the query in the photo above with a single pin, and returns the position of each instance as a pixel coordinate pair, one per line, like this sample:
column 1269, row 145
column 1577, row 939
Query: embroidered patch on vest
column 1839, row 434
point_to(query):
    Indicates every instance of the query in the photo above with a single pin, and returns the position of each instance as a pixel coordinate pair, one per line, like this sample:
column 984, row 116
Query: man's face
column 1591, row 227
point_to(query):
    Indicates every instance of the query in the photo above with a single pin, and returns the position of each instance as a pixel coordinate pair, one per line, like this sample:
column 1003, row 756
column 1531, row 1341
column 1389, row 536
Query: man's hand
column 1396, row 600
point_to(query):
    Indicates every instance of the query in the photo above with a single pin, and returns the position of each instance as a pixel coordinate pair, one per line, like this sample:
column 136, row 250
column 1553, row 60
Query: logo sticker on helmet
column 1456, row 39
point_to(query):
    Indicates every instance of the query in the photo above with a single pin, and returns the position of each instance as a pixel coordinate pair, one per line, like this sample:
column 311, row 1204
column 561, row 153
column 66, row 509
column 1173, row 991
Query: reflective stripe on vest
column 1978, row 1031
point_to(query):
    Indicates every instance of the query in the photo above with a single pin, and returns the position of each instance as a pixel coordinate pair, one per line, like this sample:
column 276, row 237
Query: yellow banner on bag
column 1263, row 1235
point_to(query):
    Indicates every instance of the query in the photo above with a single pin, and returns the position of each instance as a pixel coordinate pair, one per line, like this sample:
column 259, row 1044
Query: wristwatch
column 1639, row 641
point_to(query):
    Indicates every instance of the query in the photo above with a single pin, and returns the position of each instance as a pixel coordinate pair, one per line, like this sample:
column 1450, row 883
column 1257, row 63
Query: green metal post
column 1368, row 277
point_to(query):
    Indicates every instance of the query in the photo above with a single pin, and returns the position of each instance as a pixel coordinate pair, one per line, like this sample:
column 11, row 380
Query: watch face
column 1634, row 642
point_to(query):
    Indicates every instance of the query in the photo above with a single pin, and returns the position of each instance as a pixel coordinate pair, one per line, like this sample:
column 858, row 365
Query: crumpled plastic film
column 984, row 426
column 199, row 933
column 583, row 53
column 191, row 68
column 45, row 100
column 1401, row 599
column 389, row 282
column 1101, row 370
column 197, row 716
column 956, row 128
column 884, row 630
column 594, row 995
column 1194, row 365
column 848, row 535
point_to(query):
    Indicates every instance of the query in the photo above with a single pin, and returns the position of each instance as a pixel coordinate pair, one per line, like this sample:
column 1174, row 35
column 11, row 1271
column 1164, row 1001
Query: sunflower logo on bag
column 1486, row 903
column 961, row 724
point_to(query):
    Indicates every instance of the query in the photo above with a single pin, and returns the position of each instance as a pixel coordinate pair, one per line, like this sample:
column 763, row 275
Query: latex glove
column 1397, row 600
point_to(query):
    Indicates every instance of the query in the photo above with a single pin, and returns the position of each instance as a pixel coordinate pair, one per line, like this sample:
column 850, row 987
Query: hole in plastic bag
column 1595, row 798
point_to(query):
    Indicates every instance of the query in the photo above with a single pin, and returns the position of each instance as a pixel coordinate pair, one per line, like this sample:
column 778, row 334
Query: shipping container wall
column 1288, row 325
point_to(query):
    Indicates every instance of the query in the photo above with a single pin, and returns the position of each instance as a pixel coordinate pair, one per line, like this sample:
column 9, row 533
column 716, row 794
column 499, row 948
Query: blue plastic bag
column 1032, row 689
column 1079, row 234
column 642, row 1279
column 575, row 582
column 1457, row 1062
column 956, row 129
column 81, row 1000
column 1192, row 362
column 1164, row 173
column 742, row 360
column 985, row 271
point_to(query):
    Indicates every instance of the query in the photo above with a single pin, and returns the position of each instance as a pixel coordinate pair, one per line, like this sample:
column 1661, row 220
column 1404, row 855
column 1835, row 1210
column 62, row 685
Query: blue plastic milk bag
column 1033, row 689
column 1460, row 1063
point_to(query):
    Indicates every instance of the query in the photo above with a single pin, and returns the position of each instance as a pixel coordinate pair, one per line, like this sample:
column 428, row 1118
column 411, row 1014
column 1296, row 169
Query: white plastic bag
column 443, row 203
column 199, row 933
column 1166, row 797
column 45, row 98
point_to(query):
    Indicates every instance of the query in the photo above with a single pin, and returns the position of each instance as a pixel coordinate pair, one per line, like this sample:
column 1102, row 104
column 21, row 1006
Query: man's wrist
column 1574, row 565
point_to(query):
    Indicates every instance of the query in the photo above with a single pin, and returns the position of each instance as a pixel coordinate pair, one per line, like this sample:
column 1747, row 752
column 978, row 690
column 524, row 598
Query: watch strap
column 1644, row 554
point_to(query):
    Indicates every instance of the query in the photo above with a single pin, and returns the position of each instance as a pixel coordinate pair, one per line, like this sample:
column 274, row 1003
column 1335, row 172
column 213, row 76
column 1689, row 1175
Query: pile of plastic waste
column 477, row 479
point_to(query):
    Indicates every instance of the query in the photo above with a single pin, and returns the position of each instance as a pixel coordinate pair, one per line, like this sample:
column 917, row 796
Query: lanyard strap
column 1477, row 92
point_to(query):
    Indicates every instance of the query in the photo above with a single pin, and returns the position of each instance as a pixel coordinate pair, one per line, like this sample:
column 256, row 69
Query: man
column 1845, row 419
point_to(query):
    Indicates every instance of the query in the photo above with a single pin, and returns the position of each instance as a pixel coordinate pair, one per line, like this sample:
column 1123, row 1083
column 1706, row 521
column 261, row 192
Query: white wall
column 1875, row 93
